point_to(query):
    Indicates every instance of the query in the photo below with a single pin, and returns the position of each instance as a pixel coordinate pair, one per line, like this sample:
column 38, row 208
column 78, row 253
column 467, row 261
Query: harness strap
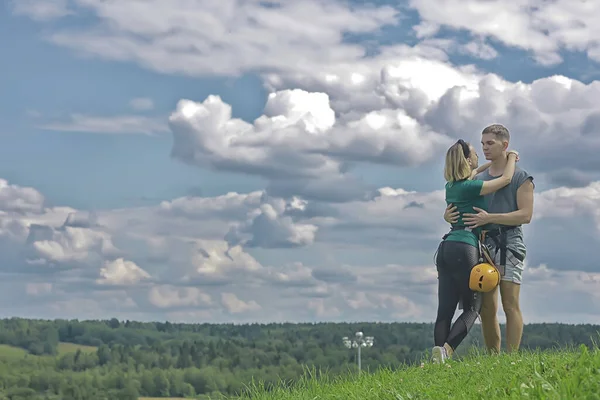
column 499, row 236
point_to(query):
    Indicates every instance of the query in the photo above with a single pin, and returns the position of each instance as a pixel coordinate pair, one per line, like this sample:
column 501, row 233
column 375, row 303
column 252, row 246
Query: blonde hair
column 457, row 167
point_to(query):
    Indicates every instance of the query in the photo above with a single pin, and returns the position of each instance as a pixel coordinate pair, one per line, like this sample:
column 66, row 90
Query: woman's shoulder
column 457, row 184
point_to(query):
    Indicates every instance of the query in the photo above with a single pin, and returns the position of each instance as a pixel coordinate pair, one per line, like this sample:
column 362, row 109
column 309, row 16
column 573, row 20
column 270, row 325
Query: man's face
column 492, row 146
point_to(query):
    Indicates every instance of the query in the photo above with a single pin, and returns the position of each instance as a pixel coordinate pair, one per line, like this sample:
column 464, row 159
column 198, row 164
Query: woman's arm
column 501, row 181
column 480, row 169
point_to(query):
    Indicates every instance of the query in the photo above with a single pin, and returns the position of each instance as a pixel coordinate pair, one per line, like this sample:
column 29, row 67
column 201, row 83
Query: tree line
column 162, row 359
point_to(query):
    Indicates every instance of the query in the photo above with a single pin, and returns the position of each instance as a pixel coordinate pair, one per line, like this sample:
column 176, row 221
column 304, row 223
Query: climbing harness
column 499, row 237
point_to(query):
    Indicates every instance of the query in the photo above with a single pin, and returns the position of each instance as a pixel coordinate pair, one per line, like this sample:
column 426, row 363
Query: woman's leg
column 464, row 323
column 448, row 296
column 471, row 300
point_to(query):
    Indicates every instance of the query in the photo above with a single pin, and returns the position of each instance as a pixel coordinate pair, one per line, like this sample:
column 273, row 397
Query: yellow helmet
column 484, row 278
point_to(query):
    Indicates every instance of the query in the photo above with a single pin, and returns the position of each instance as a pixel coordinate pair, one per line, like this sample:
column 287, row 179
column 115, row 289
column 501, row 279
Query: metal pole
column 359, row 366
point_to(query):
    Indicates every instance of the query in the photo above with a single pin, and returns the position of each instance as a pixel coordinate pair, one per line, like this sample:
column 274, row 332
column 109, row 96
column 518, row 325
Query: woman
column 458, row 252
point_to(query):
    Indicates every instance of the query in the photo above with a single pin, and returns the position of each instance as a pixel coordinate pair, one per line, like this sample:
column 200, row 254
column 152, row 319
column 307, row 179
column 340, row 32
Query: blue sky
column 307, row 216
column 44, row 82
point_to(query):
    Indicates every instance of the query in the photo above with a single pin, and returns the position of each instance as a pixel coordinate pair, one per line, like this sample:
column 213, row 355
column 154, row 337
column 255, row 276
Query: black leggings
column 454, row 262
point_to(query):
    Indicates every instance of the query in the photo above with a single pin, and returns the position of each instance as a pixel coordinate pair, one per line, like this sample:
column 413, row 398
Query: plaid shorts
column 512, row 271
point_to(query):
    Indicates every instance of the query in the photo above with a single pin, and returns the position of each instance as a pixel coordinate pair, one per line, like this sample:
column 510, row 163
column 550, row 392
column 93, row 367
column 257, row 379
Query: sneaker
column 439, row 355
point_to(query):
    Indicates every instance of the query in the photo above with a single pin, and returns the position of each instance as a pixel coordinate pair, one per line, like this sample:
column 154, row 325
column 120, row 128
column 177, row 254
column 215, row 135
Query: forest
column 111, row 359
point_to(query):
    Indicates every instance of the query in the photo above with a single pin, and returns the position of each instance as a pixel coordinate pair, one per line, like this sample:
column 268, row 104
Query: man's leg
column 489, row 321
column 514, row 319
column 510, row 288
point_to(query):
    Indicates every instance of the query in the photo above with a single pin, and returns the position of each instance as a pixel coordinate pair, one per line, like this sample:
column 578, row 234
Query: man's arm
column 524, row 203
column 521, row 216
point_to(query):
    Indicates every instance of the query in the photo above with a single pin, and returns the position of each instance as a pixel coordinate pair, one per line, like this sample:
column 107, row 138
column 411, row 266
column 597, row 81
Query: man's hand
column 451, row 215
column 476, row 220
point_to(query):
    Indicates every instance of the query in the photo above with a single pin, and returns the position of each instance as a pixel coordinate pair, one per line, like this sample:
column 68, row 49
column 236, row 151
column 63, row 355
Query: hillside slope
column 560, row 374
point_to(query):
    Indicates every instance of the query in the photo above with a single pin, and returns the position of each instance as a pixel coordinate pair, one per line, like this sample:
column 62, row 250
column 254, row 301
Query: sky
column 270, row 161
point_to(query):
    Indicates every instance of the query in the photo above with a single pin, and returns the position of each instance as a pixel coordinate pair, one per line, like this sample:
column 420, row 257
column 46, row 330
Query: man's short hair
column 499, row 131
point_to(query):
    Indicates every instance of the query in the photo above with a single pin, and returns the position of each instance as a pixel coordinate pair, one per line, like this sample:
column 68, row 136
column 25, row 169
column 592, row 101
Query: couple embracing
column 484, row 252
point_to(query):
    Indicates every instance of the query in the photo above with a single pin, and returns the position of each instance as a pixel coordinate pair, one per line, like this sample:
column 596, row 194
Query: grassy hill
column 64, row 348
column 564, row 374
column 12, row 352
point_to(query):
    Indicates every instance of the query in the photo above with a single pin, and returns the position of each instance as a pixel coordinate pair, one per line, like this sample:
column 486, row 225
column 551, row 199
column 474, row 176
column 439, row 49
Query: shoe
column 439, row 355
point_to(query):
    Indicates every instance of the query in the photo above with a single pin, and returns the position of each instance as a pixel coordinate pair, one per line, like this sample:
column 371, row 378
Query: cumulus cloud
column 69, row 246
column 544, row 28
column 268, row 226
column 181, row 273
column 20, row 199
column 234, row 38
column 121, row 272
column 307, row 143
column 167, row 297
column 550, row 119
column 542, row 308
column 234, row 305
column 297, row 138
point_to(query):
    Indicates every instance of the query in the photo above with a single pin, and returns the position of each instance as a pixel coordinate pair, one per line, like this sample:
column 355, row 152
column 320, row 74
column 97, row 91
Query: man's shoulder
column 520, row 171
column 482, row 176
column 521, row 176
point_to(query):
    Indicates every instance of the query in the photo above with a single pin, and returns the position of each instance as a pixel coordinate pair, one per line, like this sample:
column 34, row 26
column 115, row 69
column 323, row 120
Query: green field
column 11, row 352
column 64, row 348
column 552, row 375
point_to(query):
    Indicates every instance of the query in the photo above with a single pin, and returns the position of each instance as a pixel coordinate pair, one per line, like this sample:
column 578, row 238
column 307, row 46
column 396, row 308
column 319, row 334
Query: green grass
column 8, row 352
column 559, row 374
column 11, row 353
column 64, row 348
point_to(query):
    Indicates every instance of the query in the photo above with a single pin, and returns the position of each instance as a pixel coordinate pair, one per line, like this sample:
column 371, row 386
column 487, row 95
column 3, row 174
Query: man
column 508, row 209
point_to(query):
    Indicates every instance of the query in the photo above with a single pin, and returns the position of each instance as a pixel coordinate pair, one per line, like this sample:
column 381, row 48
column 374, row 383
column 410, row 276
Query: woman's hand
column 516, row 153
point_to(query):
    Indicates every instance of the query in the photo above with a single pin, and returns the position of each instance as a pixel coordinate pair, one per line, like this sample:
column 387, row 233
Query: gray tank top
column 505, row 201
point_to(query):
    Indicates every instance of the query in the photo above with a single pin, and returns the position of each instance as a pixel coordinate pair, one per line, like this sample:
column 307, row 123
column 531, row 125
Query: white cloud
column 41, row 10
column 296, row 138
column 121, row 272
column 20, row 199
column 267, row 226
column 119, row 124
column 168, row 297
column 563, row 285
column 402, row 114
column 538, row 26
column 204, row 37
column 141, row 103
column 234, row 305
column 69, row 246
column 180, row 273
column 567, row 202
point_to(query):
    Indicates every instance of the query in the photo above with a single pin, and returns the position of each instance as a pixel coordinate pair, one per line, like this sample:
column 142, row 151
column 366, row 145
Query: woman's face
column 473, row 157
